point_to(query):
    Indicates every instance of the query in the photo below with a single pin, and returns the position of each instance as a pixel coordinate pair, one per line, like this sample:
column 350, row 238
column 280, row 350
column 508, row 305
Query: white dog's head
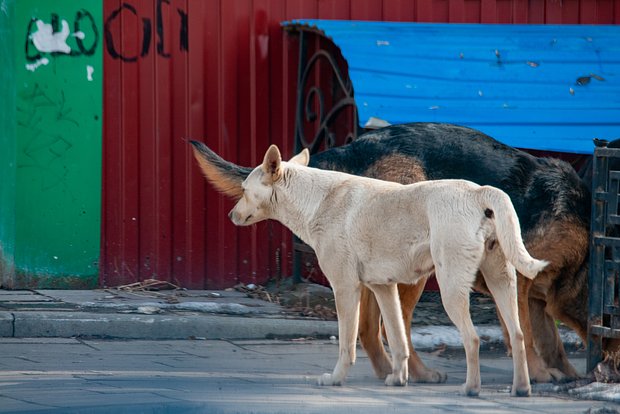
column 258, row 198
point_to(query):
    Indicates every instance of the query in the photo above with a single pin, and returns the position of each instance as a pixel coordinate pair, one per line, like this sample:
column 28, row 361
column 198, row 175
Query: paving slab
column 245, row 376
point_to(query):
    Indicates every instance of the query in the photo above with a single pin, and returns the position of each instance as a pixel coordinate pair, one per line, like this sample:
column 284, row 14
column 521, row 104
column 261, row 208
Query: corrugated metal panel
column 233, row 86
column 216, row 83
column 544, row 87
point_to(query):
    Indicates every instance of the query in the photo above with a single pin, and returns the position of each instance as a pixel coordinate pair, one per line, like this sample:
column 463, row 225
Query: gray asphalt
column 51, row 375
column 98, row 352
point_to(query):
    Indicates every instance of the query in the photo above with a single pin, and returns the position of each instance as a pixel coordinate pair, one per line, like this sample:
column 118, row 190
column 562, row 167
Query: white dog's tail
column 501, row 211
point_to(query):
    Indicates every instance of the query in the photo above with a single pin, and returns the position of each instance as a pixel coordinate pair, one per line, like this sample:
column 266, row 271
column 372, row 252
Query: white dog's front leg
column 347, row 307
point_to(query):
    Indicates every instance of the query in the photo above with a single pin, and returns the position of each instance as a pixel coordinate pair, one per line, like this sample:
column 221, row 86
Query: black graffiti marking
column 184, row 41
column 146, row 41
column 37, row 55
column 160, row 30
column 84, row 14
column 55, row 20
column 84, row 17
column 42, row 147
column 33, row 54
column 109, row 39
column 62, row 111
column 147, row 32
column 38, row 99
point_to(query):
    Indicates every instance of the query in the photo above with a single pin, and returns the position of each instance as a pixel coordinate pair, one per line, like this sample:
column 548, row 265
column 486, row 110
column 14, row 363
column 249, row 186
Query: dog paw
column 328, row 379
column 521, row 391
column 383, row 368
column 560, row 377
column 430, row 377
column 396, row 380
column 544, row 375
column 471, row 391
column 541, row 376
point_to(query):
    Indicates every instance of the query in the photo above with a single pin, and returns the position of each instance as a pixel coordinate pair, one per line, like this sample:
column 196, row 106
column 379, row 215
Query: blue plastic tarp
column 545, row 87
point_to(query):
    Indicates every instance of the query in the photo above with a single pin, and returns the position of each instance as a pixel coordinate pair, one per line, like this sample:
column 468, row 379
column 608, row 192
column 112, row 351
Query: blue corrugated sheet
column 546, row 87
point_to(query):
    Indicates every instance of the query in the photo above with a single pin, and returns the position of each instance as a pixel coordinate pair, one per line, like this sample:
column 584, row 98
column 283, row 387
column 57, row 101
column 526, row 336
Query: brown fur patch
column 397, row 168
column 223, row 182
column 565, row 245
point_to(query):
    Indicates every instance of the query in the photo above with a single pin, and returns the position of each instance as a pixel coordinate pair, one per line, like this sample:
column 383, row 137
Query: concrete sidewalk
column 202, row 314
column 150, row 315
column 219, row 315
column 58, row 375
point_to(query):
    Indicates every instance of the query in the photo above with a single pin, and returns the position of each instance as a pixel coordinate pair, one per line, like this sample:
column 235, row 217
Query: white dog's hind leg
column 389, row 303
column 501, row 280
column 348, row 308
column 454, row 285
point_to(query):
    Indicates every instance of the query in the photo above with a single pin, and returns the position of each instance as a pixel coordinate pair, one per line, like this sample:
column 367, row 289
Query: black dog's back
column 539, row 187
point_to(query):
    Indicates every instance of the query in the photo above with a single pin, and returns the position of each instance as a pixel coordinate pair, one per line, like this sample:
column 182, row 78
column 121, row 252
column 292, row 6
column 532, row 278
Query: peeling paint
column 33, row 66
column 45, row 40
column 89, row 72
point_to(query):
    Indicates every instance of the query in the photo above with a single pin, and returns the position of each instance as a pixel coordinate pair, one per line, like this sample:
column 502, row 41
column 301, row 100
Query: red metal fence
column 224, row 72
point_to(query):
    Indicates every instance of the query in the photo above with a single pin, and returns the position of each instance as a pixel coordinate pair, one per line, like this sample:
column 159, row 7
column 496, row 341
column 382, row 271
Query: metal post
column 303, row 48
column 597, row 260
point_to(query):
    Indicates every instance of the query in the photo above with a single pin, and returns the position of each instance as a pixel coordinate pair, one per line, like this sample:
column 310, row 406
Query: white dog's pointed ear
column 302, row 158
column 271, row 163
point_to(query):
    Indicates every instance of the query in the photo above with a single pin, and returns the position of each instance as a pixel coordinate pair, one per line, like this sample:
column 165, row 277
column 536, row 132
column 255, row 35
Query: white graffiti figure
column 46, row 41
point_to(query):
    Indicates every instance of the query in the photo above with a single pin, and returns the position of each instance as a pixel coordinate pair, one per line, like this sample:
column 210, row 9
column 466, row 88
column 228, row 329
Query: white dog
column 379, row 233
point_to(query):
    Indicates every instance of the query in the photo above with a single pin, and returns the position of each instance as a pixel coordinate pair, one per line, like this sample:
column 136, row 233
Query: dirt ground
column 314, row 300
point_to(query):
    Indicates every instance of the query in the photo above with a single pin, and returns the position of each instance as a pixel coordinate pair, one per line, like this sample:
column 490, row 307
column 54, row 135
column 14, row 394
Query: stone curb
column 6, row 324
column 64, row 324
column 156, row 327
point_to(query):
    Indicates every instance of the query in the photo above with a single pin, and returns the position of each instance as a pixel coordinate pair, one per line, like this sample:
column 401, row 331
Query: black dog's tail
column 225, row 176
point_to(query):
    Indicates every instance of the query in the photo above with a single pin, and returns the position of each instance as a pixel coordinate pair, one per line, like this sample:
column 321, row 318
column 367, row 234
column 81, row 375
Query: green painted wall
column 58, row 74
column 7, row 142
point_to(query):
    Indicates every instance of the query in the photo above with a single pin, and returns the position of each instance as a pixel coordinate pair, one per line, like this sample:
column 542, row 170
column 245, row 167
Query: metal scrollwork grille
column 326, row 115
